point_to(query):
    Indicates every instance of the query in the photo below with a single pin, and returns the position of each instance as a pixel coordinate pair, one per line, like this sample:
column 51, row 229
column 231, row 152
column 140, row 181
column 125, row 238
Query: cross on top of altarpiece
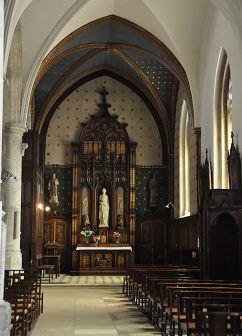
column 104, row 106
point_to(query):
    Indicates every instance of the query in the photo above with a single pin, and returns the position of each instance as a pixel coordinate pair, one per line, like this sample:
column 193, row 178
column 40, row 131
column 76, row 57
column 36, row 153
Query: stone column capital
column 24, row 146
column 12, row 142
column 14, row 128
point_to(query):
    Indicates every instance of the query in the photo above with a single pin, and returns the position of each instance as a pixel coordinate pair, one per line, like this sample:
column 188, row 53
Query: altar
column 103, row 195
column 104, row 259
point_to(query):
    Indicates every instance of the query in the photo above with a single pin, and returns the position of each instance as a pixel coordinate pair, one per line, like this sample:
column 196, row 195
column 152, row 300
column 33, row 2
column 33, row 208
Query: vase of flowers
column 87, row 235
column 96, row 239
column 116, row 237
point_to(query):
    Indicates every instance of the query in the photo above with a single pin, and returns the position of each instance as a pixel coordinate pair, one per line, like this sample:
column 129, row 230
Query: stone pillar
column 5, row 309
column 5, row 318
column 13, row 150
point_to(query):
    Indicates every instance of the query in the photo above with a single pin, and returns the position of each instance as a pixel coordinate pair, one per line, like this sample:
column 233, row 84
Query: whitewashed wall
column 219, row 35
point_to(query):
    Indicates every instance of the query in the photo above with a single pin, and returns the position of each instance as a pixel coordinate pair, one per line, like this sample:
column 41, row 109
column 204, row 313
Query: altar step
column 100, row 271
column 85, row 280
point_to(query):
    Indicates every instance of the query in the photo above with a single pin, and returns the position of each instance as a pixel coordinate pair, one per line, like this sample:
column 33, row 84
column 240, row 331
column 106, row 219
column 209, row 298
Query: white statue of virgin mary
column 103, row 209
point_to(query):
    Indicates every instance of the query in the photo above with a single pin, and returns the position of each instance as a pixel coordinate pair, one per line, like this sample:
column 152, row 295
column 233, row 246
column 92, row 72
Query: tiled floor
column 90, row 311
column 85, row 280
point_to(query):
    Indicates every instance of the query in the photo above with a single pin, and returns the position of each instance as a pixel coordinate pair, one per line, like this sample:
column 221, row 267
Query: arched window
column 222, row 121
column 184, row 162
column 229, row 112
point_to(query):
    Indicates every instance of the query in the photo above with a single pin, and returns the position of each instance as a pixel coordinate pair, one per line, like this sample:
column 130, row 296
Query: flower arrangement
column 116, row 235
column 95, row 238
column 87, row 233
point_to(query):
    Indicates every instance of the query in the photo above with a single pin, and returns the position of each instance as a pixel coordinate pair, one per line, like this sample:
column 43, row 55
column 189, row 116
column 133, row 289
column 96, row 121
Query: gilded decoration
column 101, row 183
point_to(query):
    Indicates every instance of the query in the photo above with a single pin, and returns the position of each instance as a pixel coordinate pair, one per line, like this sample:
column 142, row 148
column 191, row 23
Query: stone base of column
column 5, row 318
column 13, row 260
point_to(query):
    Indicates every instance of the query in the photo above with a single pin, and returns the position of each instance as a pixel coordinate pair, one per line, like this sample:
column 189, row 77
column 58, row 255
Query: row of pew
column 179, row 303
column 22, row 289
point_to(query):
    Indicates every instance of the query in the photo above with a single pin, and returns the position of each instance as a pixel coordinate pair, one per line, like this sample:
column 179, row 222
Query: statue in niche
column 86, row 222
column 153, row 191
column 53, row 190
column 103, row 209
column 234, row 166
column 120, row 224
column 85, row 203
column 204, row 178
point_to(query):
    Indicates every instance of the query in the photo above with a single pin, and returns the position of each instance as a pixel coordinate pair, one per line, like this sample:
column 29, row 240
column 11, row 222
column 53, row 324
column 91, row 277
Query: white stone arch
column 41, row 55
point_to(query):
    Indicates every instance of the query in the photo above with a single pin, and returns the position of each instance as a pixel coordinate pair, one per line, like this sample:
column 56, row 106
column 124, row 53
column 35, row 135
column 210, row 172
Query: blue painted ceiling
column 142, row 61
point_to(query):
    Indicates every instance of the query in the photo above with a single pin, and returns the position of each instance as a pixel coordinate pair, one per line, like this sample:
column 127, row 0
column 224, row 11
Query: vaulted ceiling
column 115, row 45
column 180, row 25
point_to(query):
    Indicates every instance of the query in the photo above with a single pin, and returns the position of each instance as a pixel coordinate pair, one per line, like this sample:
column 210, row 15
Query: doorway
column 224, row 249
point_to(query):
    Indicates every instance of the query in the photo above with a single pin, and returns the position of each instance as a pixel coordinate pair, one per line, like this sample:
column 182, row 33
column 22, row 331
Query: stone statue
column 120, row 224
column 86, row 221
column 153, row 191
column 234, row 166
column 53, row 190
column 103, row 209
column 204, row 179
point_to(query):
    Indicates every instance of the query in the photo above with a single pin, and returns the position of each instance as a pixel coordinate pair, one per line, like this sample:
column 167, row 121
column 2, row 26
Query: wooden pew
column 221, row 304
column 23, row 291
column 134, row 272
column 135, row 279
column 163, row 304
column 156, row 292
column 218, row 323
column 175, row 314
column 137, row 287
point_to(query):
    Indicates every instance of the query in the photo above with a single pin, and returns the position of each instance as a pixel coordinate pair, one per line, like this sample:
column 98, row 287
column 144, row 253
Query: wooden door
column 57, row 231
column 151, row 241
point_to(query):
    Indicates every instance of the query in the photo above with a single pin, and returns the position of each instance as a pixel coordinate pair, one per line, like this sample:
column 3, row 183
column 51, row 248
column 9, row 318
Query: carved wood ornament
column 103, row 158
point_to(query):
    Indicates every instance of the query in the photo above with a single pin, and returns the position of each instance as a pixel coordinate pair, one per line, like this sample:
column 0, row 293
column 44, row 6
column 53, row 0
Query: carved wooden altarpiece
column 103, row 158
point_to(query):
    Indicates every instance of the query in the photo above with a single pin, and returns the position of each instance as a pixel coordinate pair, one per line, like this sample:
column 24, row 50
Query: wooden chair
column 56, row 259
column 217, row 323
column 23, row 291
column 44, row 269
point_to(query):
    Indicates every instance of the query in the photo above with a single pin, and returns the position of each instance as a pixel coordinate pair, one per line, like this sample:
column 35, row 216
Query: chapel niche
column 103, row 157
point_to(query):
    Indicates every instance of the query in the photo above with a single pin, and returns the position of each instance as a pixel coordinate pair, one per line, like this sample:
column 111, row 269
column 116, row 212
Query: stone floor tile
column 72, row 310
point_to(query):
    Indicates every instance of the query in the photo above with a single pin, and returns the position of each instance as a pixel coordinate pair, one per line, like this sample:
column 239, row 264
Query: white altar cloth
column 104, row 248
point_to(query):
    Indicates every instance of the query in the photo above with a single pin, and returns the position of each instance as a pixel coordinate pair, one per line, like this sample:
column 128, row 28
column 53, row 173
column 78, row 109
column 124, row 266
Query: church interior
column 121, row 157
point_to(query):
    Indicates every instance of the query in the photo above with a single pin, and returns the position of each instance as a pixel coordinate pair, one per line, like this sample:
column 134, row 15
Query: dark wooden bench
column 175, row 313
column 218, row 323
column 23, row 291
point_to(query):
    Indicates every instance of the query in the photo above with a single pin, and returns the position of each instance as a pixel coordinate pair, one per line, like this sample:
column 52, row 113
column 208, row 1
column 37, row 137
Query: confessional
column 221, row 252
column 221, row 223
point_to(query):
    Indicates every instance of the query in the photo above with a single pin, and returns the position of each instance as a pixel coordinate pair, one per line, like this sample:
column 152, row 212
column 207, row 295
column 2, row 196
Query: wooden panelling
column 183, row 238
column 32, row 194
column 183, row 232
column 26, row 234
column 151, row 240
column 56, row 231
